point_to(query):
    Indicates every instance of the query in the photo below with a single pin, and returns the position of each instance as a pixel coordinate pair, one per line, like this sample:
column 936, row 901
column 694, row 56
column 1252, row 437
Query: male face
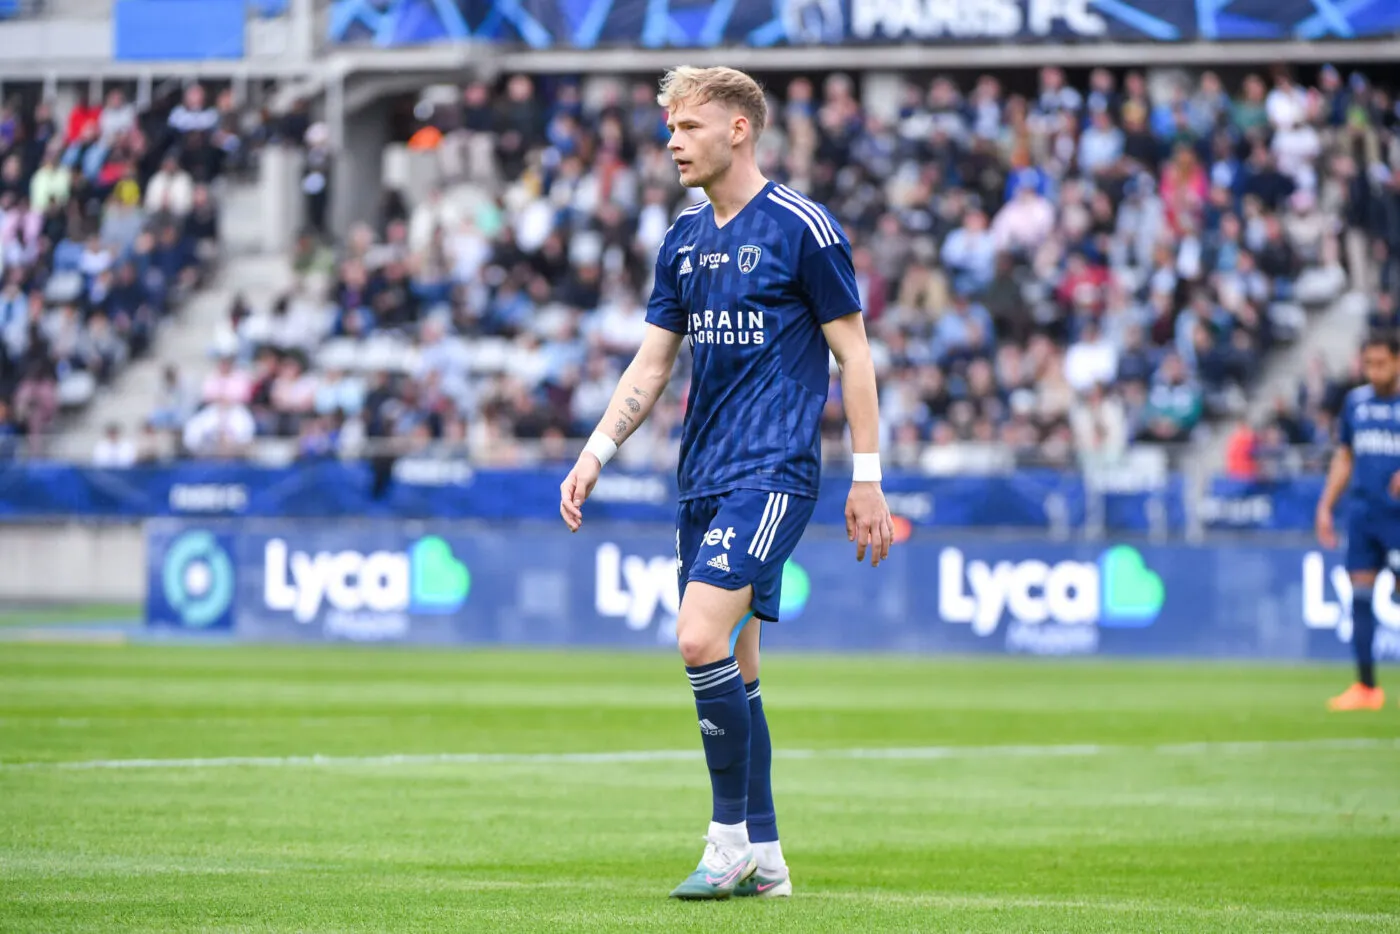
column 1379, row 365
column 703, row 138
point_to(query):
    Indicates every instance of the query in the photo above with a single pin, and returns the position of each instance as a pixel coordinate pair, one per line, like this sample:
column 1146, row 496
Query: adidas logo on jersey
column 709, row 729
column 720, row 562
column 685, row 267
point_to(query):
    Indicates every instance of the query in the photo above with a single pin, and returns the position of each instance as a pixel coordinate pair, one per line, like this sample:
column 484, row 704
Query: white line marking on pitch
column 1133, row 906
column 678, row 755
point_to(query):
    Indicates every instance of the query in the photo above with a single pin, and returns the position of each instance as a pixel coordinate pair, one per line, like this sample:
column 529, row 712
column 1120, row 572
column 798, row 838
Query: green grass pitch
column 1019, row 795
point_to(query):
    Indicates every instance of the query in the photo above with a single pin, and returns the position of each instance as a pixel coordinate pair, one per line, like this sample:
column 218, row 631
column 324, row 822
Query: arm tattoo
column 641, row 392
column 633, row 405
column 620, row 431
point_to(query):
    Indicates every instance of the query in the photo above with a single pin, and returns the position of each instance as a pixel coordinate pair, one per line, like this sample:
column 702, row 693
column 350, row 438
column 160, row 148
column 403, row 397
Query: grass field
column 64, row 614
column 484, row 791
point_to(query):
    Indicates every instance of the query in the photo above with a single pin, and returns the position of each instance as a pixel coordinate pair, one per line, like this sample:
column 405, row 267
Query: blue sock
column 724, row 725
column 1363, row 632
column 763, row 822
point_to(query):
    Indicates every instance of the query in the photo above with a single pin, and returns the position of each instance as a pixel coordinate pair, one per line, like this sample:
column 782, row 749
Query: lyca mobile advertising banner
column 615, row 584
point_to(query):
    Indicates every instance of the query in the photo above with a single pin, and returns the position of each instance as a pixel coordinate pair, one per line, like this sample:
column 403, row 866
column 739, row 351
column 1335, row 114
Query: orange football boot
column 1358, row 697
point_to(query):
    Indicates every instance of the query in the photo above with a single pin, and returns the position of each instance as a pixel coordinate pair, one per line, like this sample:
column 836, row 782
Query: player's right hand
column 1326, row 530
column 576, row 488
column 868, row 522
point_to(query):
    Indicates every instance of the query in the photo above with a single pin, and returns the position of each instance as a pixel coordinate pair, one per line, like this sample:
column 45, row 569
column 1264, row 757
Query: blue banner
column 616, row 585
column 178, row 30
column 442, row 489
column 587, row 24
column 1287, row 505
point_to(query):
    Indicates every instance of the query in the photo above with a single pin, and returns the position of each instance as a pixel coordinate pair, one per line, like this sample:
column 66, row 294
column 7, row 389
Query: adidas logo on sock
column 720, row 561
column 709, row 729
column 685, row 267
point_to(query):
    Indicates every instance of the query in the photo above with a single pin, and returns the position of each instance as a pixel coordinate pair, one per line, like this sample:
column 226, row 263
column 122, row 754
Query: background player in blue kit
column 1367, row 460
column 761, row 281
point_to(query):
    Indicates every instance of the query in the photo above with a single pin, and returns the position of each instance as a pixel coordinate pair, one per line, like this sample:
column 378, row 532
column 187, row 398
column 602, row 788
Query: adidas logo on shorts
column 720, row 561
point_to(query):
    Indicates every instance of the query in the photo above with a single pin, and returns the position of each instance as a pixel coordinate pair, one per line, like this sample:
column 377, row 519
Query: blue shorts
column 739, row 538
column 1373, row 541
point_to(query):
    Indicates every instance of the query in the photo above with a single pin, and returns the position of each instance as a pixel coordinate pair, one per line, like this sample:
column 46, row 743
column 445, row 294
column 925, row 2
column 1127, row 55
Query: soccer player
column 759, row 278
column 1367, row 460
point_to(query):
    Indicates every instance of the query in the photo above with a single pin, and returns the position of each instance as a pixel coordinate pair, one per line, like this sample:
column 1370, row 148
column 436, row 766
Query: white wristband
column 865, row 468
column 601, row 447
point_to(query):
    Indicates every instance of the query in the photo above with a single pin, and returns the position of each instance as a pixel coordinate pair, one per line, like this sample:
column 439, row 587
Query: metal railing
column 1162, row 475
column 1139, row 466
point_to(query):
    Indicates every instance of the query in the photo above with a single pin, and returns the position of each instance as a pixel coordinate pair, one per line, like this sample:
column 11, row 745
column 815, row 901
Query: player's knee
column 699, row 645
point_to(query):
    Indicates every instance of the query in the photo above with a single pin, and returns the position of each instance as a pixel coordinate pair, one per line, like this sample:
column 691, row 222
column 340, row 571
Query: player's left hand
column 868, row 521
column 1395, row 485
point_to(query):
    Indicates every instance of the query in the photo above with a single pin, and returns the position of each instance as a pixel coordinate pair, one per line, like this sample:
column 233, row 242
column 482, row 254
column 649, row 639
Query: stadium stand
column 1297, row 431
column 108, row 221
column 1017, row 255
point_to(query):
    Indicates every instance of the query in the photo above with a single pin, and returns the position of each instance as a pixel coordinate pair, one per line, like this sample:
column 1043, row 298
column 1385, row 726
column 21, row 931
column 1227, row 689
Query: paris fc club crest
column 748, row 258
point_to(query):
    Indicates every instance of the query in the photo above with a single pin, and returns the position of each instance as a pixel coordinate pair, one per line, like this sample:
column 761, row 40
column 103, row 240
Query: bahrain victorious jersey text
column 1371, row 428
column 752, row 297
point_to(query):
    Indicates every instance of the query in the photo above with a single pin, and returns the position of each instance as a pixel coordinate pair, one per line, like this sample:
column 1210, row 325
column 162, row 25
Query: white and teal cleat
column 763, row 885
column 721, row 870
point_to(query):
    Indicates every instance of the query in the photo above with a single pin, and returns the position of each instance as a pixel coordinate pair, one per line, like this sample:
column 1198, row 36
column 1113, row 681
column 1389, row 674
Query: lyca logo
column 1327, row 597
column 1118, row 590
column 713, row 260
column 1329, row 607
column 634, row 588
column 427, row 578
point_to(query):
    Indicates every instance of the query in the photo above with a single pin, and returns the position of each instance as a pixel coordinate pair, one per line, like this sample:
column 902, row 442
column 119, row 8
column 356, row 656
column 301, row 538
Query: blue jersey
column 752, row 297
column 1371, row 428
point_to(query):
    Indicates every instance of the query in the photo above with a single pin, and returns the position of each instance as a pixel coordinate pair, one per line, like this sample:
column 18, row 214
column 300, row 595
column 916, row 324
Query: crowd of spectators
column 107, row 222
column 1298, row 432
column 1049, row 277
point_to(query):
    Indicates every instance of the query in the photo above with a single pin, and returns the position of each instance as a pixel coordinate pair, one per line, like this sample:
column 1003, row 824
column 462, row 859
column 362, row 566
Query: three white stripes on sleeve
column 810, row 212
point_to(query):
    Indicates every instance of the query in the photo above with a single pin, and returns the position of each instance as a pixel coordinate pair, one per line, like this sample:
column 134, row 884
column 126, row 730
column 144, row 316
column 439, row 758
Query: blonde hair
column 728, row 86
